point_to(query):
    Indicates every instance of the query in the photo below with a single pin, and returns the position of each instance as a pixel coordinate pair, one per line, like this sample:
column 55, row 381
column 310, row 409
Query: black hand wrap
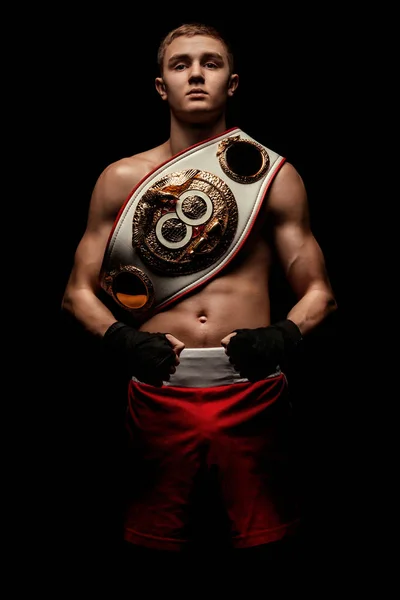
column 257, row 353
column 146, row 356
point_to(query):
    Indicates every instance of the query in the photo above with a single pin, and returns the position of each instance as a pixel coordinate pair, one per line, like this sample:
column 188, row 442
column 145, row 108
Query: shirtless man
column 223, row 325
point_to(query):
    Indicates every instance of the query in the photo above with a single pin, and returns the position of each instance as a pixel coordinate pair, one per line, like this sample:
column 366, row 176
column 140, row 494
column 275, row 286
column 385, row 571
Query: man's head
column 190, row 30
column 196, row 67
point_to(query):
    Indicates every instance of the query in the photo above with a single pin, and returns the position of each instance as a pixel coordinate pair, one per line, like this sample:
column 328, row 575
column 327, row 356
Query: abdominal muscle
column 238, row 298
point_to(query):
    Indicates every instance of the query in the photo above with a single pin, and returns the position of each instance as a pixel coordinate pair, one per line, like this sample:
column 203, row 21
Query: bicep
column 110, row 192
column 301, row 258
column 298, row 250
column 89, row 257
column 90, row 250
column 107, row 198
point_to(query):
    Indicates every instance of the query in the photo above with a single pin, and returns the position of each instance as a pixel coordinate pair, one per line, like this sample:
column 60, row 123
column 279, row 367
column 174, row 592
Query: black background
column 295, row 96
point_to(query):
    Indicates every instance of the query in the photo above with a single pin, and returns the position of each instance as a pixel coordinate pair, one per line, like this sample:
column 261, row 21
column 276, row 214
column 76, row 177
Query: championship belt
column 186, row 221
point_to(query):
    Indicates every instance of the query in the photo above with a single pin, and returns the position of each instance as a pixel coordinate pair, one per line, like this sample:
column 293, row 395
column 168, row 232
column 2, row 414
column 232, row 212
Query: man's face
column 196, row 80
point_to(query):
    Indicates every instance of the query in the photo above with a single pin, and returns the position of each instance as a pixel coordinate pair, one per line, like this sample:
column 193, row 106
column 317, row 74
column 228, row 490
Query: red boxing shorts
column 207, row 418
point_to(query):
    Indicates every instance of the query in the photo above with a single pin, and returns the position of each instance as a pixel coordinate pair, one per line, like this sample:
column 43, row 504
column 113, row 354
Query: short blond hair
column 190, row 30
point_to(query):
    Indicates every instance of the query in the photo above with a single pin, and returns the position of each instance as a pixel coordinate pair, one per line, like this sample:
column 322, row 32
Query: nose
column 196, row 72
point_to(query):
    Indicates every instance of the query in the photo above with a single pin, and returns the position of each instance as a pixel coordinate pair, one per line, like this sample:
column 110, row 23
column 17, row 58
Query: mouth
column 197, row 92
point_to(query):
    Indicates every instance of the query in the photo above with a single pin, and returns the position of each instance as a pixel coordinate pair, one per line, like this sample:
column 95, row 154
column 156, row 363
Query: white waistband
column 205, row 367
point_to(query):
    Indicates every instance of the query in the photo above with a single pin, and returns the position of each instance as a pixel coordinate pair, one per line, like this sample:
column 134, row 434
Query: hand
column 257, row 353
column 177, row 347
column 150, row 357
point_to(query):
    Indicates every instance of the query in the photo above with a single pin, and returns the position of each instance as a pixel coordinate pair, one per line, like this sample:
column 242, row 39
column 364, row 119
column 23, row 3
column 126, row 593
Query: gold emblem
column 243, row 160
column 130, row 287
column 184, row 222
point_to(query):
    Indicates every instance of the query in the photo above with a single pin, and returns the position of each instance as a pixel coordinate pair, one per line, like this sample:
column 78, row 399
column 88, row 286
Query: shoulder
column 287, row 191
column 118, row 180
column 288, row 178
column 124, row 173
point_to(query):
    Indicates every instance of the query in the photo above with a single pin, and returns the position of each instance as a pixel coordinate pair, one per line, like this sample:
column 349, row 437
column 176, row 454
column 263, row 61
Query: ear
column 233, row 84
column 160, row 87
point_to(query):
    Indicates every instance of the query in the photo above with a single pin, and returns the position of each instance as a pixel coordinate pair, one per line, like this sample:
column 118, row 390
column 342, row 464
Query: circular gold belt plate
column 243, row 160
column 184, row 222
column 130, row 287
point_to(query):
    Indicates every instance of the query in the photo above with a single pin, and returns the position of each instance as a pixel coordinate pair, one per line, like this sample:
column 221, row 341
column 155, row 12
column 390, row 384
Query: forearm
column 313, row 308
column 88, row 310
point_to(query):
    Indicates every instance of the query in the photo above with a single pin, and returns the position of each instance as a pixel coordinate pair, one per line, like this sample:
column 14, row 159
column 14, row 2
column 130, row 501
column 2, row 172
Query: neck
column 184, row 135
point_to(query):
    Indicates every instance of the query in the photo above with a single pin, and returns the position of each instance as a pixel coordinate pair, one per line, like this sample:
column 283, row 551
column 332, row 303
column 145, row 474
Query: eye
column 179, row 67
column 211, row 65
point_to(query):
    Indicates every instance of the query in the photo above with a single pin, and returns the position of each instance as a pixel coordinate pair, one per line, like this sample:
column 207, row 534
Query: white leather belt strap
column 186, row 220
